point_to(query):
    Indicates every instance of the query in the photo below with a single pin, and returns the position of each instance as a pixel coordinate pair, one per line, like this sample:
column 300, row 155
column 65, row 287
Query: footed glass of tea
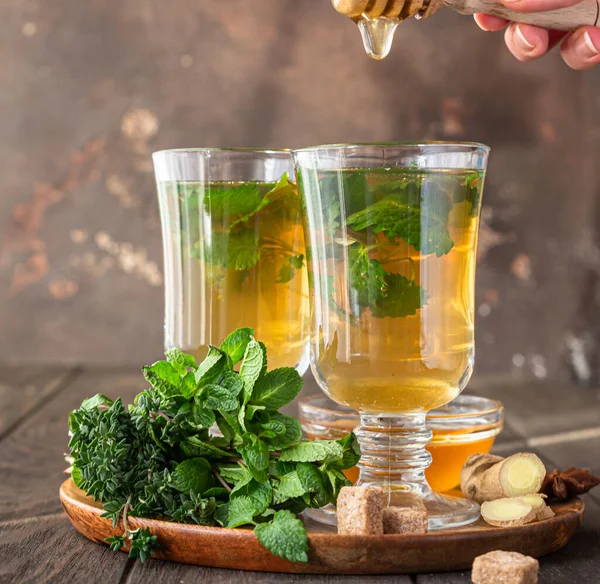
column 391, row 233
column 233, row 251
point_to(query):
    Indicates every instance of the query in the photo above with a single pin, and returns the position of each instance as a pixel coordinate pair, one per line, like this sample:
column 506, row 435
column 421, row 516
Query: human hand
column 579, row 49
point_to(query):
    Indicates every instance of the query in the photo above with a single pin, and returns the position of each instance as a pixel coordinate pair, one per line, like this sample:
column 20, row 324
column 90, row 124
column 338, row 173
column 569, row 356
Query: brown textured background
column 89, row 89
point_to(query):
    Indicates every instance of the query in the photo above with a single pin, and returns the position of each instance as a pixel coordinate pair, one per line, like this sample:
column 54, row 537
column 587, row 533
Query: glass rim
column 491, row 406
column 242, row 150
column 348, row 145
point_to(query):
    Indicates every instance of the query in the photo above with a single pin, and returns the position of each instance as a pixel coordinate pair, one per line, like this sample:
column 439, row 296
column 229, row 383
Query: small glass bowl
column 467, row 425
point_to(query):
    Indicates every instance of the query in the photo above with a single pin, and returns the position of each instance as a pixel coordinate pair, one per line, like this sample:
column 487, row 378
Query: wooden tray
column 331, row 553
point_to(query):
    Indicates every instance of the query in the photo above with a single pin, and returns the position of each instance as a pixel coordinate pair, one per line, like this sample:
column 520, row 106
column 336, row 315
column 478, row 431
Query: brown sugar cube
column 505, row 568
column 360, row 510
column 405, row 520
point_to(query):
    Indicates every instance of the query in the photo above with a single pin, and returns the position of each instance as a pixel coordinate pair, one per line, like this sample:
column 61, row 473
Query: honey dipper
column 378, row 19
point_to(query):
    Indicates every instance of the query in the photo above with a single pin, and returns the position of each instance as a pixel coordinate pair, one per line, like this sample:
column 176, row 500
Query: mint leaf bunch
column 238, row 244
column 162, row 458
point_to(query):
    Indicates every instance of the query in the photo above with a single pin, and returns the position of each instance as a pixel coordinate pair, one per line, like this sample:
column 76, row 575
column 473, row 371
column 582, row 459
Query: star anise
column 567, row 484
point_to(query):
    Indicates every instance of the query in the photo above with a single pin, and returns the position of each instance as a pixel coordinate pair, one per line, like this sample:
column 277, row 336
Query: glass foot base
column 444, row 512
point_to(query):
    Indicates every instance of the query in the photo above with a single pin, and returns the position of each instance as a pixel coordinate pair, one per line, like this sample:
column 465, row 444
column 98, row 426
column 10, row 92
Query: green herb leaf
column 197, row 509
column 260, row 494
column 278, row 469
column 180, row 361
column 289, row 267
column 312, row 451
column 312, row 481
column 76, row 476
column 367, row 277
column 188, row 385
column 232, row 382
column 236, row 250
column 292, row 434
column 474, row 189
column 276, row 388
column 353, row 190
column 403, row 297
column 337, row 481
column 282, row 189
column 220, row 398
column 202, row 416
column 251, row 367
column 193, row 474
column 241, row 511
column 422, row 224
column 211, row 368
column 385, row 294
column 351, row 454
column 194, row 447
column 251, row 411
column 225, row 428
column 235, row 475
column 235, row 343
column 217, row 493
column 228, row 201
column 231, row 420
column 96, row 401
column 275, row 427
column 288, row 487
column 163, row 377
column 284, row 536
column 256, row 454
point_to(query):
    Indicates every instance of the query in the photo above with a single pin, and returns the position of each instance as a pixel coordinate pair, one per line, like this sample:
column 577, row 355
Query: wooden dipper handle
column 586, row 12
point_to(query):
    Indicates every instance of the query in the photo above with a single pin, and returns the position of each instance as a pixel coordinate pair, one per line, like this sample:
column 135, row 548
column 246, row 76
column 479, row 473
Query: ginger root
column 485, row 477
column 512, row 511
column 542, row 511
column 508, row 512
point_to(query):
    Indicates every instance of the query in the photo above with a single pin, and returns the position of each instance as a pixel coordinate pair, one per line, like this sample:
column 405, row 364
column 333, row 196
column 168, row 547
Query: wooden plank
column 23, row 388
column 32, row 489
column 48, row 549
column 159, row 572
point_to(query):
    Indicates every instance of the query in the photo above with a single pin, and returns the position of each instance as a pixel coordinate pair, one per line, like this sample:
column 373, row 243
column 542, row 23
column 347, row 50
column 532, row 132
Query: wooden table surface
column 557, row 420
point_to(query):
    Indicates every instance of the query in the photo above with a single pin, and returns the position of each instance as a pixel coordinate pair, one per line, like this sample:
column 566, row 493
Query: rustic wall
column 89, row 89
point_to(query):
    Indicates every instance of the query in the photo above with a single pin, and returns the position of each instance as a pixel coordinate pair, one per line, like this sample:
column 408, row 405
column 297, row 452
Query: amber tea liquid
column 236, row 258
column 396, row 269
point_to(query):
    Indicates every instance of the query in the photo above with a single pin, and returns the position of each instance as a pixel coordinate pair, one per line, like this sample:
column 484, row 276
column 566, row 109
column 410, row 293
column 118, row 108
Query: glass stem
column 393, row 453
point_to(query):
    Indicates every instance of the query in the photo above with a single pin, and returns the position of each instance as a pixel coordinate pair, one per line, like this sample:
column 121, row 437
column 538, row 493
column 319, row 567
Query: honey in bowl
column 467, row 425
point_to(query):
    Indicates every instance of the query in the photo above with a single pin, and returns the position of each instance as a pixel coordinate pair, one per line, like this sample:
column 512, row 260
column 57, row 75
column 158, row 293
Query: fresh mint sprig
column 160, row 457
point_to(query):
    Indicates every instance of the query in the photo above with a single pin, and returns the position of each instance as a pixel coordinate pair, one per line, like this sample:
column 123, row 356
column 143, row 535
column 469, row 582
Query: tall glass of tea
column 233, row 251
column 391, row 233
